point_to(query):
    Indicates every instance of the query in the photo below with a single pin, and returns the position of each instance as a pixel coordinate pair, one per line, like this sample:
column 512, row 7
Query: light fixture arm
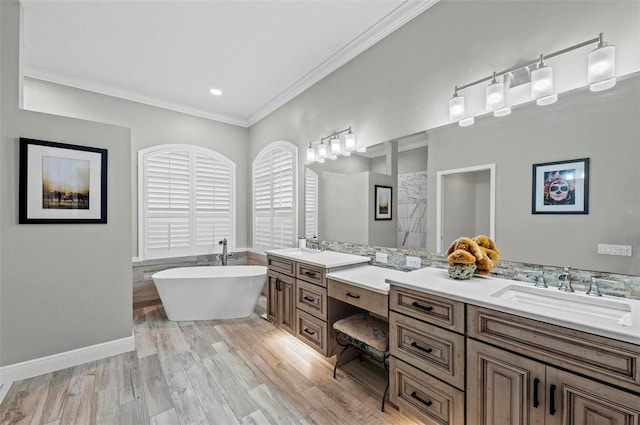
column 337, row 133
column 599, row 40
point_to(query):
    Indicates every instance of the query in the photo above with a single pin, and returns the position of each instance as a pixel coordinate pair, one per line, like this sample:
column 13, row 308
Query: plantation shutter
column 188, row 203
column 274, row 198
column 213, row 200
column 310, row 203
column 167, row 200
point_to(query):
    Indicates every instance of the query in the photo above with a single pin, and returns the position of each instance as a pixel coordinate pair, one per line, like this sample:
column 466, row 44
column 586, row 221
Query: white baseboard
column 47, row 364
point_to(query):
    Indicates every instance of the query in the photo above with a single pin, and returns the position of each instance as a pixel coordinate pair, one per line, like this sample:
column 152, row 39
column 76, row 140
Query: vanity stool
column 369, row 335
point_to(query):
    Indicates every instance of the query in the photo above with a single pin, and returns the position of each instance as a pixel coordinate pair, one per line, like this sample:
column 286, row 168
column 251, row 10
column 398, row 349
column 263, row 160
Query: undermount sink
column 568, row 306
column 301, row 251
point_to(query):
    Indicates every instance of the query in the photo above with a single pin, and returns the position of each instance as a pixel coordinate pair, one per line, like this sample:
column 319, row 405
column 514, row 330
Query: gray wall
column 62, row 287
column 151, row 126
column 401, row 86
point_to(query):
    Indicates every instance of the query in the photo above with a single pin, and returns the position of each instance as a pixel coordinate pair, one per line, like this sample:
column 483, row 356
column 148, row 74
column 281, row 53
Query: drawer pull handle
column 422, row 307
column 425, row 402
column 310, row 332
column 349, row 294
column 536, row 402
column 310, row 299
column 426, row 350
column 552, row 401
column 312, row 274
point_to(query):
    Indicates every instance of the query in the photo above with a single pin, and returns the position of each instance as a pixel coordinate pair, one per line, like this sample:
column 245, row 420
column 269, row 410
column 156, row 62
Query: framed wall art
column 383, row 202
column 561, row 187
column 62, row 183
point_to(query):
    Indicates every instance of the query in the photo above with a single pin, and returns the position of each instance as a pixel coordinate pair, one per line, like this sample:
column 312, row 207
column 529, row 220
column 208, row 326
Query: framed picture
column 561, row 187
column 61, row 183
column 383, row 203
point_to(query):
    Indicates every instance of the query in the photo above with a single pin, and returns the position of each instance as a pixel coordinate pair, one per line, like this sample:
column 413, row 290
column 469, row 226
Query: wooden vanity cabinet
column 427, row 364
column 281, row 305
column 527, row 386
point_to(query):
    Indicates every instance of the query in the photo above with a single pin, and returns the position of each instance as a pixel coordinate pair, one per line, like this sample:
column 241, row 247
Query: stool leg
column 384, row 396
column 338, row 360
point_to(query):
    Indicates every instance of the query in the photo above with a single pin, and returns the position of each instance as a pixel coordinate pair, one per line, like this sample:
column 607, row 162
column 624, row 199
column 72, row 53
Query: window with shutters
column 274, row 197
column 186, row 201
column 310, row 203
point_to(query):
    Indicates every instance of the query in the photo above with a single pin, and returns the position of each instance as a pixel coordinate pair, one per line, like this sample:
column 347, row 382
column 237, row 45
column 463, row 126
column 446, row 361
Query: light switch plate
column 414, row 262
column 381, row 257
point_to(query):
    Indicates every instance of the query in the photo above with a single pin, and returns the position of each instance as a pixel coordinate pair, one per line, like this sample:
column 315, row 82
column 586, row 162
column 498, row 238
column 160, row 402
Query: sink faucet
column 540, row 283
column 565, row 281
column 223, row 257
column 314, row 243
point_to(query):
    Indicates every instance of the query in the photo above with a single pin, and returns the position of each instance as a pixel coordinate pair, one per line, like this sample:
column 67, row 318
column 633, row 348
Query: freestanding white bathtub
column 210, row 292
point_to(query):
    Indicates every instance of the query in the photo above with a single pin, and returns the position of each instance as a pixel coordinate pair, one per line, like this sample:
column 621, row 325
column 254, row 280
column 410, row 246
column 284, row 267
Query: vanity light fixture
column 600, row 76
column 333, row 146
column 311, row 153
column 542, row 84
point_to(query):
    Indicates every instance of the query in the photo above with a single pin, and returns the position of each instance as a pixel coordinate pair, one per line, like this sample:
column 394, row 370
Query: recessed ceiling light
column 215, row 92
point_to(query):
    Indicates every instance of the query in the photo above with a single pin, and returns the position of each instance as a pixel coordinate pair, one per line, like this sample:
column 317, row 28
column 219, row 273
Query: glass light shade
column 541, row 82
column 335, row 146
column 311, row 154
column 466, row 122
column 456, row 108
column 495, row 96
column 349, row 142
column 503, row 112
column 322, row 151
column 601, row 71
column 547, row 100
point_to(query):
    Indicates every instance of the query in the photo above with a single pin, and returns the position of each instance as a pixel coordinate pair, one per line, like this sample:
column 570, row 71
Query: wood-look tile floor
column 240, row 371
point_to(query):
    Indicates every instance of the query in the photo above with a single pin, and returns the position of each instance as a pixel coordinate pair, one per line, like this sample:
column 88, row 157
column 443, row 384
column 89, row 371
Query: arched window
column 274, row 197
column 186, row 201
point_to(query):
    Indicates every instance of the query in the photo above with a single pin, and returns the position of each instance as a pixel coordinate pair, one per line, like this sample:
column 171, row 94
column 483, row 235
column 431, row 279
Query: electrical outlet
column 381, row 257
column 624, row 250
column 414, row 262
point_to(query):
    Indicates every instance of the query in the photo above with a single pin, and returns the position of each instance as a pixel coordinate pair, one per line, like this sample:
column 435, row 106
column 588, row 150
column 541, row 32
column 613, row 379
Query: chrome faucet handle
column 594, row 291
column 565, row 281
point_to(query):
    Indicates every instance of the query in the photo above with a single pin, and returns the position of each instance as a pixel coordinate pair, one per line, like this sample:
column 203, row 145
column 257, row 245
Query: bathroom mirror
column 345, row 189
column 465, row 204
column 601, row 126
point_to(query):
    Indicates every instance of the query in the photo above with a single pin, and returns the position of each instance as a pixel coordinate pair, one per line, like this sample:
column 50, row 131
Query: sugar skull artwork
column 559, row 187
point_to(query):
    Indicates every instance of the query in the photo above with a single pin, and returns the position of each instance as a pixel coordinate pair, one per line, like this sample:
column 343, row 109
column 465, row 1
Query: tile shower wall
column 412, row 210
column 625, row 285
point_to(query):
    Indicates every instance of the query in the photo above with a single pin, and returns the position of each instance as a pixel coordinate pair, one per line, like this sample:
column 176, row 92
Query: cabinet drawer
column 311, row 298
column 434, row 350
column 281, row 265
column 310, row 273
column 602, row 358
column 423, row 396
column 439, row 311
column 360, row 297
column 312, row 331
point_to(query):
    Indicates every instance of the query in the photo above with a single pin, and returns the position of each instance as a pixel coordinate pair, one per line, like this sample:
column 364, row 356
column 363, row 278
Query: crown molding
column 110, row 91
column 385, row 26
column 402, row 14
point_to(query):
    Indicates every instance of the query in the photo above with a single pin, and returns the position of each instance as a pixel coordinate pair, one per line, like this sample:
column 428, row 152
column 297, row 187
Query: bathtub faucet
column 223, row 257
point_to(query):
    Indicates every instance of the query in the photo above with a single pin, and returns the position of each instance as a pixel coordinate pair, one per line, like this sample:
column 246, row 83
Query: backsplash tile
column 625, row 285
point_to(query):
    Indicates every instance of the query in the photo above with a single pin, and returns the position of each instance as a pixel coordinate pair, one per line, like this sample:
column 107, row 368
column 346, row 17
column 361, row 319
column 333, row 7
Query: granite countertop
column 325, row 259
column 367, row 277
column 612, row 317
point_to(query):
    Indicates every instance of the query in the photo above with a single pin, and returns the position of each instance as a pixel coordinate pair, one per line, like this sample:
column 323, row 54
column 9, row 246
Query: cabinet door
column 273, row 298
column 503, row 388
column 574, row 400
column 288, row 300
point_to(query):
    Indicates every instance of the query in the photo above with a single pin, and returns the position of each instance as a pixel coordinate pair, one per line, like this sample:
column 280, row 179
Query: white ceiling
column 169, row 53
